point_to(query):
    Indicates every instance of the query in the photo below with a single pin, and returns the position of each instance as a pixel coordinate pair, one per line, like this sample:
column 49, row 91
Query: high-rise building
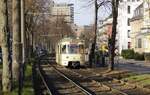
column 64, row 10
column 125, row 13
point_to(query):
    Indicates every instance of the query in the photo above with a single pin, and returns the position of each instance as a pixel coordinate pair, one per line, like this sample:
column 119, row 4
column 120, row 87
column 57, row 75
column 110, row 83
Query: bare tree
column 115, row 4
column 34, row 15
column 97, row 4
column 6, row 75
column 17, row 49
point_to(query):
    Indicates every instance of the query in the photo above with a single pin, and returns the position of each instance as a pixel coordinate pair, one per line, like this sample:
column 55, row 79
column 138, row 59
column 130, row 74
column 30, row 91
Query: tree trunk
column 95, row 28
column 115, row 4
column 6, row 74
column 17, row 48
column 92, row 51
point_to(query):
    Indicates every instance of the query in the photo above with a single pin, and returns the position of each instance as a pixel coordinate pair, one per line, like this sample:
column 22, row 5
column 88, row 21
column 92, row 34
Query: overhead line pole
column 23, row 43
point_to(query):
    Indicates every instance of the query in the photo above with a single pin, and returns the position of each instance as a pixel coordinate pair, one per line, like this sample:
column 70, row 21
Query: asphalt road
column 139, row 67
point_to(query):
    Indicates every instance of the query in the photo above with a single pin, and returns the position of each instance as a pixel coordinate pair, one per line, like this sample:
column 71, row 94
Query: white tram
column 70, row 52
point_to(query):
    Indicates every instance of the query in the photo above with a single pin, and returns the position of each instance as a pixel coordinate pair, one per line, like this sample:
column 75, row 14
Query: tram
column 70, row 52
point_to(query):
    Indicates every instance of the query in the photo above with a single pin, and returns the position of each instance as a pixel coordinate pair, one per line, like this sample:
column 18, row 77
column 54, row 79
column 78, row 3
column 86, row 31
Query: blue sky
column 84, row 15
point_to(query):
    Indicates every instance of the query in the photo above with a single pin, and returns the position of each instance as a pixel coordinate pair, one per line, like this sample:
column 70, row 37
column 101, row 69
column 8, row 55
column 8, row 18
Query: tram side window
column 81, row 49
column 64, row 49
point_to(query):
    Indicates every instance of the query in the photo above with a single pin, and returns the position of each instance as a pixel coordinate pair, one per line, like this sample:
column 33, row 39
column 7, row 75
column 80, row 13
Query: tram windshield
column 74, row 48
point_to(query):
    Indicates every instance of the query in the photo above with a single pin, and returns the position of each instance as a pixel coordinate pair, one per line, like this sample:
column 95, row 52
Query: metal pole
column 23, row 45
column 22, row 31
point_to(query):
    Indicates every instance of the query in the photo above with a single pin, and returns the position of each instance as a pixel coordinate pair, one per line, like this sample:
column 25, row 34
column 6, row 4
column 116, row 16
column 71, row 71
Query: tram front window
column 73, row 48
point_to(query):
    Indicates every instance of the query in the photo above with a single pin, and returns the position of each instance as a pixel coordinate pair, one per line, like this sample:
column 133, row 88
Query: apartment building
column 125, row 13
column 140, row 27
column 136, row 23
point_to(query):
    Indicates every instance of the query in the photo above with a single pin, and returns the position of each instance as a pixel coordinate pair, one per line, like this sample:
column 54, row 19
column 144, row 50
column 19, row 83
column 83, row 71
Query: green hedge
column 138, row 56
column 147, row 56
column 127, row 54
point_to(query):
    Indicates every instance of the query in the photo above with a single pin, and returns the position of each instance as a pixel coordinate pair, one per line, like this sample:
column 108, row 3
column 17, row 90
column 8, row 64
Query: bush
column 127, row 54
column 147, row 56
column 138, row 56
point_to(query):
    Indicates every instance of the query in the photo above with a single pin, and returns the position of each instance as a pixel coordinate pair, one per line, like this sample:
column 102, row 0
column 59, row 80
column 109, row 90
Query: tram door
column 58, row 54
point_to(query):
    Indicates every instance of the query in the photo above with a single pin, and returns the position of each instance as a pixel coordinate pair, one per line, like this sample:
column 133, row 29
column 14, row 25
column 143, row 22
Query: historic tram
column 70, row 52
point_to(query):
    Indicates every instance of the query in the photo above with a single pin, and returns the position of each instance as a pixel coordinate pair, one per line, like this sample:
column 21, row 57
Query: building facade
column 140, row 24
column 63, row 10
column 104, row 33
column 136, row 23
column 125, row 13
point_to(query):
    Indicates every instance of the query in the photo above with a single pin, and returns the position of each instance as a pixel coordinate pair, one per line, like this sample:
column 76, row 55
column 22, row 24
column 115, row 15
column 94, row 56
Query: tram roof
column 69, row 39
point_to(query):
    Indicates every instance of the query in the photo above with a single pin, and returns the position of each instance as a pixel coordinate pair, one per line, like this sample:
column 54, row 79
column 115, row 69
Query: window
column 139, row 43
column 129, row 33
column 73, row 48
column 128, row 21
column 129, row 9
column 64, row 49
column 129, row 45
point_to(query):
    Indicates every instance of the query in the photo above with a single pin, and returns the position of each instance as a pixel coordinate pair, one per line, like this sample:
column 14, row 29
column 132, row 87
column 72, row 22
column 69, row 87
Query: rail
column 44, row 81
column 121, row 92
column 70, row 80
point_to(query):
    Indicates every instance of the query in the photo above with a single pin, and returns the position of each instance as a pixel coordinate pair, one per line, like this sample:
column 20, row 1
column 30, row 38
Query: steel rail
column 70, row 80
column 45, row 84
column 102, row 84
column 122, row 81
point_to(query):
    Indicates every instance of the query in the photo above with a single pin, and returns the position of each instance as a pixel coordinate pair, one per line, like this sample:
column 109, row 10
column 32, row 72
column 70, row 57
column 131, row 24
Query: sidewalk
column 135, row 62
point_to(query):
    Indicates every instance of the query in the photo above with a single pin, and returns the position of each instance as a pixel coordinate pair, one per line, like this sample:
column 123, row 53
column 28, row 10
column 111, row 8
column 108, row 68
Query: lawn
column 143, row 80
column 1, row 66
column 28, row 86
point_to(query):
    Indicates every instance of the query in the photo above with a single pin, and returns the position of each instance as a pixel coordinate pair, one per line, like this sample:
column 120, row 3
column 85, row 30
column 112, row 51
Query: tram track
column 119, row 85
column 98, row 84
column 62, row 85
column 40, row 83
column 96, row 88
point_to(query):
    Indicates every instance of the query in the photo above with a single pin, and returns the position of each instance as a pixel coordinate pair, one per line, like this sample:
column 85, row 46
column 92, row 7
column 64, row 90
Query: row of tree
column 28, row 30
column 105, row 4
column 38, row 27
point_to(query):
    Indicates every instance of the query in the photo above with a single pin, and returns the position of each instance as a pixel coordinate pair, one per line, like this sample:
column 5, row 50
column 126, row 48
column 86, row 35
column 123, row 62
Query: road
column 139, row 67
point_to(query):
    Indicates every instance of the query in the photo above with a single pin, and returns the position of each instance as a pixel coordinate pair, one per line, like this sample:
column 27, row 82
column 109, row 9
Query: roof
column 69, row 39
column 138, row 13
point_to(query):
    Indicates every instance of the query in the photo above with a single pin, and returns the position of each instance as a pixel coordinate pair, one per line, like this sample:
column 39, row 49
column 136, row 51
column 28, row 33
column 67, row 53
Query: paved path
column 140, row 67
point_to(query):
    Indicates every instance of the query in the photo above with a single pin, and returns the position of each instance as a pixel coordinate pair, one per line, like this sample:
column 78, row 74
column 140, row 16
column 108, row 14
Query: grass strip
column 1, row 65
column 28, row 85
column 143, row 79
